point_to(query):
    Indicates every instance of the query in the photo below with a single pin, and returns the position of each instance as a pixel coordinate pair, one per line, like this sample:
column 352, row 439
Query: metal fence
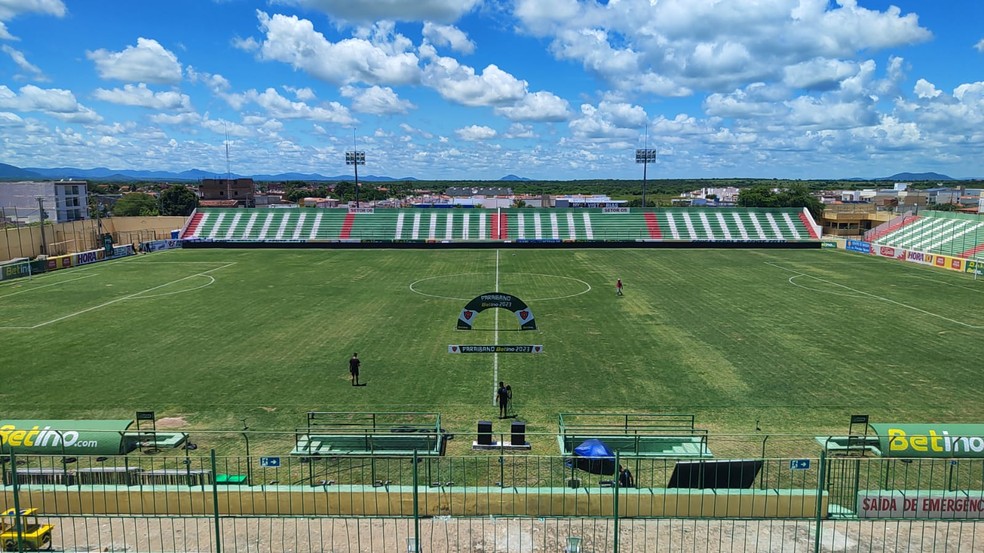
column 491, row 502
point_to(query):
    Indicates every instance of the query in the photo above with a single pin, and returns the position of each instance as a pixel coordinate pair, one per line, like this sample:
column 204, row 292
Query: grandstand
column 507, row 225
column 954, row 234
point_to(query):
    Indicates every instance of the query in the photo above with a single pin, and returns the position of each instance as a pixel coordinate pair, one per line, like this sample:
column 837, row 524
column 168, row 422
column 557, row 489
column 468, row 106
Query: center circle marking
column 587, row 287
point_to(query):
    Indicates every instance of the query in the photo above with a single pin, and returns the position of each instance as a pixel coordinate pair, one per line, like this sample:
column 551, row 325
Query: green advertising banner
column 496, row 300
column 60, row 437
column 945, row 441
column 974, row 267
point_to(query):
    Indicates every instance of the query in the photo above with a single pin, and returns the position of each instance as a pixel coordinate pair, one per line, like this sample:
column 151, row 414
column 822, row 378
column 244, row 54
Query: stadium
column 768, row 389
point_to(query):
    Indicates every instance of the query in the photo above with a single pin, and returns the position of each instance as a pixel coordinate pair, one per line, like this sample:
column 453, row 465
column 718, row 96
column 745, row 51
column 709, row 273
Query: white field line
column 950, row 284
column 876, row 297
column 130, row 259
column 4, row 296
column 495, row 354
column 117, row 300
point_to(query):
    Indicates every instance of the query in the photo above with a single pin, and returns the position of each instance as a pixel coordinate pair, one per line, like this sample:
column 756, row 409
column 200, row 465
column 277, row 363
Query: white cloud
column 8, row 119
column 33, row 72
column 10, row 9
column 303, row 94
column 215, row 82
column 925, row 89
column 383, row 60
column 475, row 133
column 415, row 131
column 828, row 113
column 376, row 100
column 538, row 106
column 980, row 45
column 142, row 96
column 672, row 47
column 148, row 61
column 609, row 120
column 459, row 83
column 448, row 35
column 404, row 10
column 51, row 101
column 519, row 130
column 970, row 92
column 281, row 107
column 818, row 73
column 179, row 119
column 755, row 100
column 222, row 127
column 890, row 133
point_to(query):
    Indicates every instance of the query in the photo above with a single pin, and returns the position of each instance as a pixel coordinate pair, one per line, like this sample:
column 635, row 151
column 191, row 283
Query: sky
column 480, row 89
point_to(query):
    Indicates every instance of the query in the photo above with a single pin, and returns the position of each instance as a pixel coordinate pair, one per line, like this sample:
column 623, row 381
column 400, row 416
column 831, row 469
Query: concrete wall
column 79, row 236
column 432, row 501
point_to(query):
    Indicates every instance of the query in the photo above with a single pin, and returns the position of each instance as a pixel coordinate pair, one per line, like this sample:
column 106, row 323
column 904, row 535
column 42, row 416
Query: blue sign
column 859, row 246
column 799, row 464
column 269, row 461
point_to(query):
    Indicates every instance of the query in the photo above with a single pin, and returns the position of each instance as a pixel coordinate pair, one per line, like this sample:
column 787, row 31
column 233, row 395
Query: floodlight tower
column 645, row 156
column 356, row 158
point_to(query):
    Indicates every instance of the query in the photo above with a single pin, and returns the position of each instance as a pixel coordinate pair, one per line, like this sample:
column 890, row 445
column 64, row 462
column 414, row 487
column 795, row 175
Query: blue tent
column 593, row 456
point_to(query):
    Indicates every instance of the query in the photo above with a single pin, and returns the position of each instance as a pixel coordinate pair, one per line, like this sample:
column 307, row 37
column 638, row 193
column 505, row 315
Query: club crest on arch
column 496, row 300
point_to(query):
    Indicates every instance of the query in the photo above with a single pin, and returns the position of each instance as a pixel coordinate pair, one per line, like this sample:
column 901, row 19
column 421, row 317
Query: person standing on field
column 618, row 287
column 502, row 397
column 354, row 368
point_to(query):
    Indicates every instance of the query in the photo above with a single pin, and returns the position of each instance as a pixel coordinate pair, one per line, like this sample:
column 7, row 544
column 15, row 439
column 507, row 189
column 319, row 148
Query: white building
column 63, row 201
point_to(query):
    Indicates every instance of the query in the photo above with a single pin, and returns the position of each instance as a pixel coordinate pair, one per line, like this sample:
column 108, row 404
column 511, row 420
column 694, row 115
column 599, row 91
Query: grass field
column 798, row 340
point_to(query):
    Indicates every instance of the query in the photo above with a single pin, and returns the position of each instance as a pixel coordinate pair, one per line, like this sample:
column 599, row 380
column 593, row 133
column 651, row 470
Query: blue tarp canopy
column 593, row 456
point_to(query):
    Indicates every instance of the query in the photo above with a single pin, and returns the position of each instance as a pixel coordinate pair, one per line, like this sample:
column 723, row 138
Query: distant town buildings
column 230, row 192
column 63, row 201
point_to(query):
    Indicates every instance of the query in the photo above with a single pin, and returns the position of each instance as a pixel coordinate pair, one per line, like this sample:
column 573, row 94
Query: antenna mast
column 228, row 167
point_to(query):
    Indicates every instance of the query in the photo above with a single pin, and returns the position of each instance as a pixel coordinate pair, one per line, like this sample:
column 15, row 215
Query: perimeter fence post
column 18, row 528
column 416, row 511
column 215, row 505
column 618, row 475
column 821, row 485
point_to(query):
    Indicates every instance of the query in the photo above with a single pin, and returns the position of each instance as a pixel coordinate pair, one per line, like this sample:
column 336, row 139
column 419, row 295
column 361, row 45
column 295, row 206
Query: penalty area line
column 880, row 298
column 4, row 296
column 124, row 298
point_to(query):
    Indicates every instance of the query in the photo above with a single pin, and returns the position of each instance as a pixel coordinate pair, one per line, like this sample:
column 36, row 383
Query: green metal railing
column 190, row 503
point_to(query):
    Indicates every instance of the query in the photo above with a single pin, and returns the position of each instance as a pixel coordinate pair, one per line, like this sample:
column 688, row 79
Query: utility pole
column 42, row 217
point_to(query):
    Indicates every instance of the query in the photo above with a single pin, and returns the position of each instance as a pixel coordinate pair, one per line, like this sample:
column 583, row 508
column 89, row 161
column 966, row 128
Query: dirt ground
column 508, row 535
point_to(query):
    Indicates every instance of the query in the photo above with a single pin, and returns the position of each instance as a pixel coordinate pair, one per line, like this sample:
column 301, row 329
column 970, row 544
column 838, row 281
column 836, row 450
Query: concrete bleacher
column 955, row 234
column 512, row 225
column 639, row 435
column 398, row 434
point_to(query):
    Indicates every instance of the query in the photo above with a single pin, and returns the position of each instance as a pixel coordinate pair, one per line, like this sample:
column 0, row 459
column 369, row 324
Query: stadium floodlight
column 356, row 158
column 645, row 156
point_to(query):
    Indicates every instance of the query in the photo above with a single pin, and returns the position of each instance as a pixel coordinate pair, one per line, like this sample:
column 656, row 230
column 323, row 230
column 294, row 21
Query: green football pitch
column 796, row 340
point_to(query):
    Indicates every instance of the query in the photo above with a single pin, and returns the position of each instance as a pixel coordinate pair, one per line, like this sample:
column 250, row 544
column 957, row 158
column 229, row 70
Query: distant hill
column 908, row 177
column 124, row 175
column 11, row 172
column 511, row 177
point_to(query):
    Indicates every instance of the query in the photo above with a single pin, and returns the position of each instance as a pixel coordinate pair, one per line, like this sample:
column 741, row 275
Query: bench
column 689, row 446
column 230, row 479
column 396, row 444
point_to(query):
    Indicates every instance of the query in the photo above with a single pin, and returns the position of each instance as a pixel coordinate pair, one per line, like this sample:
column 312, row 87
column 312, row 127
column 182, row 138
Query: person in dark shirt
column 618, row 287
column 625, row 479
column 502, row 397
column 354, row 368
